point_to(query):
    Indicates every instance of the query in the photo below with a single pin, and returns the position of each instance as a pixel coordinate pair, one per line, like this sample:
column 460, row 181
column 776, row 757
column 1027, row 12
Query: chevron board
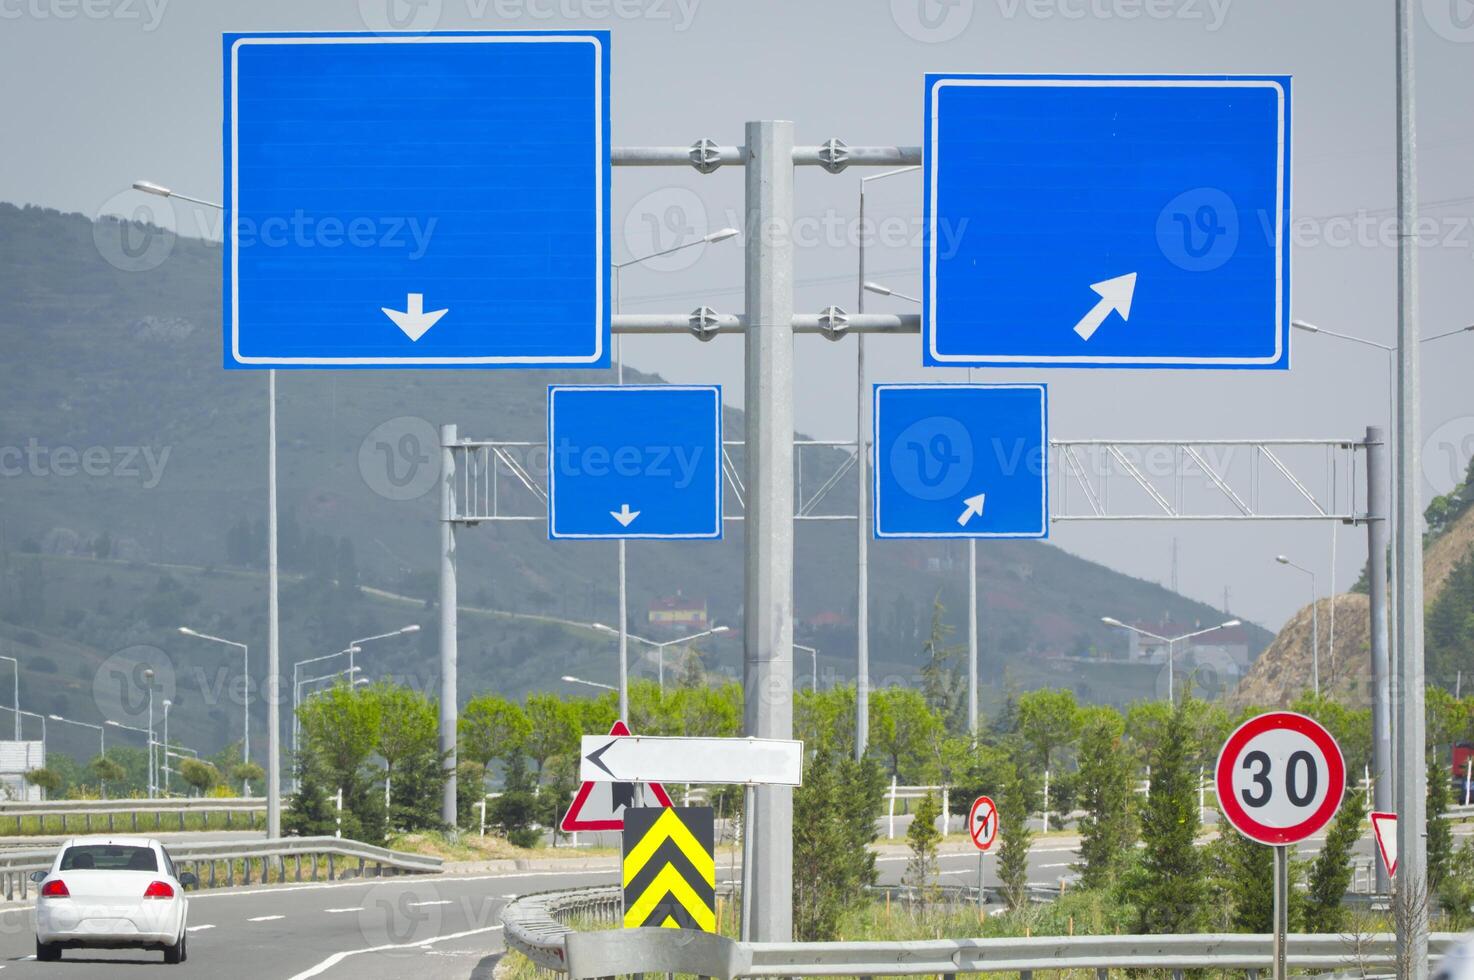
column 670, row 871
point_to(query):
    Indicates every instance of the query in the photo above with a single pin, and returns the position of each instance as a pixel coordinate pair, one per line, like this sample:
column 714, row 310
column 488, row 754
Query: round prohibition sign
column 1280, row 777
column 982, row 822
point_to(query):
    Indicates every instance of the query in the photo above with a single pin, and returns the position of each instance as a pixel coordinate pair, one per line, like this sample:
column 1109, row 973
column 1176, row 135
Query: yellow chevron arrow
column 670, row 882
column 668, row 826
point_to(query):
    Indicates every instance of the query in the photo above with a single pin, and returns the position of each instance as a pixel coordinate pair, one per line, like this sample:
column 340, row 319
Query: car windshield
column 109, row 857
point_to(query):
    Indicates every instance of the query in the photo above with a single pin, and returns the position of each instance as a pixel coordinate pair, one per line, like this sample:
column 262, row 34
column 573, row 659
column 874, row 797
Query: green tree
column 246, row 774
column 109, row 773
column 1167, row 885
column 312, row 809
column 554, row 730
column 200, row 775
column 408, row 725
column 341, row 725
column 514, row 812
column 923, row 837
column 48, row 779
column 1048, row 719
column 1440, row 835
column 941, row 679
column 1248, row 877
column 1106, row 775
column 902, row 730
column 833, row 827
column 1330, row 874
column 490, row 728
column 1014, row 837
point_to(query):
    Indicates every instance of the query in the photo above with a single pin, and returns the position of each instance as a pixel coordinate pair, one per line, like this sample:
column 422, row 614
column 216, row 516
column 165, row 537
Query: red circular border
column 972, row 812
column 1229, row 755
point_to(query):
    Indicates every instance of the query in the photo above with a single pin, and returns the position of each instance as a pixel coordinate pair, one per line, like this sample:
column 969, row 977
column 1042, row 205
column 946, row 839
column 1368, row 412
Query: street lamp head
column 148, row 673
column 721, row 629
column 1303, row 325
column 1282, row 559
column 149, row 187
column 115, row 724
column 877, row 288
column 1112, row 621
column 721, row 235
column 56, row 717
column 411, row 628
column 603, row 629
column 1231, row 624
column 187, row 631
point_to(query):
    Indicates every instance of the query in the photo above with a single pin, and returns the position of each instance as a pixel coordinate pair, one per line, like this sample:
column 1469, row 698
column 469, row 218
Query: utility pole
column 448, row 652
column 1377, row 527
column 1407, row 691
column 768, row 634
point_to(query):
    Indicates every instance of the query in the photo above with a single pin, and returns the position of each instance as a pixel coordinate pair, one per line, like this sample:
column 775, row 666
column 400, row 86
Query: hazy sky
column 103, row 92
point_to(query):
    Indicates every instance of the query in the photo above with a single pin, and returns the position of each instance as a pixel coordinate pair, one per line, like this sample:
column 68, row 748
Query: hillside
column 1283, row 671
column 133, row 502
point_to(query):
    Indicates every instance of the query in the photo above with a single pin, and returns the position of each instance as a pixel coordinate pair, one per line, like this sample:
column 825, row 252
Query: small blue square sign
column 961, row 461
column 634, row 461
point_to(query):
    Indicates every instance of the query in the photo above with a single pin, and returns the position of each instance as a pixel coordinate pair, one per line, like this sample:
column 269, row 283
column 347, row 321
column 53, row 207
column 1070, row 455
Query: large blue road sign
column 961, row 461
column 1107, row 221
column 416, row 200
column 634, row 461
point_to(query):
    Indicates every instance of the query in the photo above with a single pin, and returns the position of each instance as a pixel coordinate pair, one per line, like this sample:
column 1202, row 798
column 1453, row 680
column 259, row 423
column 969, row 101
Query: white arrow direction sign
column 647, row 759
column 1115, row 294
column 413, row 320
column 624, row 515
column 974, row 509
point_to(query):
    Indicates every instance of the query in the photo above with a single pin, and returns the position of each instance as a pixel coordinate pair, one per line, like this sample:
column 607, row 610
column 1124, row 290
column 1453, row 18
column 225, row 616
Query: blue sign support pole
column 768, row 634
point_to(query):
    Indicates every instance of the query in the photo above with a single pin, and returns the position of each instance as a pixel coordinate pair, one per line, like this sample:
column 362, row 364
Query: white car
column 111, row 893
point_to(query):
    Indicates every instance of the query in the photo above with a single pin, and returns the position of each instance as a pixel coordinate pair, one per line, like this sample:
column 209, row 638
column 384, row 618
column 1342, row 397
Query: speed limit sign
column 1280, row 777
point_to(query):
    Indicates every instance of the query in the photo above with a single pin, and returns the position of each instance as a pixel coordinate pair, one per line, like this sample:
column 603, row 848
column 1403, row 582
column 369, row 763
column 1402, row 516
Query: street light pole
column 1171, row 642
column 659, row 648
column 273, row 619
column 356, row 645
column 167, row 705
column 720, row 235
column 1314, row 622
column 15, row 664
column 570, row 679
column 814, row 654
column 862, row 496
column 245, row 685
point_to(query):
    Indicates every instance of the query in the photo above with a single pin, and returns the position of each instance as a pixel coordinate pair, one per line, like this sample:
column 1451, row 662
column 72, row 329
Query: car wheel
column 177, row 952
column 47, row 952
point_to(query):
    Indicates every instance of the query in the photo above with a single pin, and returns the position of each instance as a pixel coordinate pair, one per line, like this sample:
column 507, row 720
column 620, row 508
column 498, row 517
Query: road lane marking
column 415, row 905
column 359, row 909
column 198, row 928
column 339, row 957
column 266, row 918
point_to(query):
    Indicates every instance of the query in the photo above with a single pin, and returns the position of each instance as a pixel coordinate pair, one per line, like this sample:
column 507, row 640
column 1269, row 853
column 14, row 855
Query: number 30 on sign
column 1280, row 778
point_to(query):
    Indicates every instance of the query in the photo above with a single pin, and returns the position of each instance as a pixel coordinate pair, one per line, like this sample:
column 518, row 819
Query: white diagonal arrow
column 624, row 515
column 413, row 320
column 974, row 509
column 1115, row 294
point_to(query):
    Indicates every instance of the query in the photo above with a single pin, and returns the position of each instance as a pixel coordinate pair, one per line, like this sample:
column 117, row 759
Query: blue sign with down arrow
column 634, row 461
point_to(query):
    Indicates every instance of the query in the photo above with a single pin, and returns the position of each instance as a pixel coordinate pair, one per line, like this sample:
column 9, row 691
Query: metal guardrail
column 103, row 815
column 538, row 926
column 215, row 864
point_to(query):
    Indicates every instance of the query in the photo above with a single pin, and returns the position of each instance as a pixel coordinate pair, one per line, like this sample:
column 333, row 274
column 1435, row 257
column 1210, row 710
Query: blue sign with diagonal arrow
column 961, row 461
column 1106, row 221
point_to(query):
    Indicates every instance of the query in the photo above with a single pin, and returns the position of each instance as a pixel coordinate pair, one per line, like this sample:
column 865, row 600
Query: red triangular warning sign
column 1384, row 826
column 600, row 806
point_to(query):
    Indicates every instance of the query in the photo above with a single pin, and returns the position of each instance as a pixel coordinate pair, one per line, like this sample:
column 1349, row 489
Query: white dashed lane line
column 266, row 918
column 336, row 911
column 198, row 928
column 416, row 905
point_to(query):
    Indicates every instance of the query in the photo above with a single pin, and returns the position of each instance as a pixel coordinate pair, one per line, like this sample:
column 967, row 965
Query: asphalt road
column 446, row 926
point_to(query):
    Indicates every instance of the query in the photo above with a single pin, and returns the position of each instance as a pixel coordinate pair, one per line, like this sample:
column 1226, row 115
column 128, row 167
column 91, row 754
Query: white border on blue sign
column 1105, row 81
column 1042, row 389
column 714, row 534
column 407, row 360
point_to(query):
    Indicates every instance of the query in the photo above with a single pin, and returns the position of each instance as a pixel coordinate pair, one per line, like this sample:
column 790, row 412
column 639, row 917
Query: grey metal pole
column 1281, row 908
column 972, row 635
column 273, row 627
column 768, row 633
column 16, row 664
column 1408, row 673
column 166, row 748
column 1315, row 636
column 1377, row 530
column 862, row 507
column 246, row 712
column 624, row 642
column 448, row 622
column 153, row 771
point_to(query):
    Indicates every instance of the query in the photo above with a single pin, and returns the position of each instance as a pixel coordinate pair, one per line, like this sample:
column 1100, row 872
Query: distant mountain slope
column 1284, row 670
column 123, row 436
